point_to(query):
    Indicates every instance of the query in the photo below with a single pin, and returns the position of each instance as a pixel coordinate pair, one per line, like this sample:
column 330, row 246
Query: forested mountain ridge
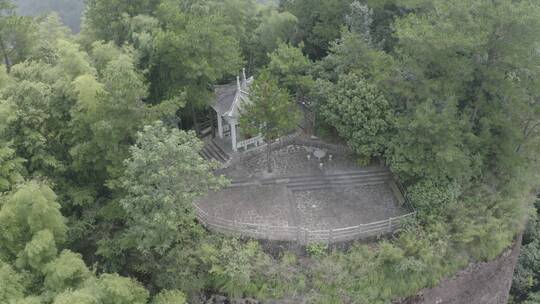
column 99, row 168
column 70, row 11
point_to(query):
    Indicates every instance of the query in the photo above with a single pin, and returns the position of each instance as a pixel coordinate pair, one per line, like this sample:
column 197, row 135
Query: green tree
column 81, row 296
column 11, row 284
column 11, row 168
column 38, row 99
column 526, row 279
column 482, row 69
column 16, row 35
column 352, row 54
column 433, row 144
column 360, row 113
column 106, row 20
column 271, row 112
column 244, row 17
column 319, row 22
column 534, row 298
column 194, row 50
column 360, row 20
column 292, row 69
column 236, row 268
column 163, row 177
column 109, row 113
column 27, row 130
column 67, row 271
column 161, row 158
column 114, row 289
column 107, row 289
column 274, row 28
column 38, row 252
column 25, row 214
column 170, row 297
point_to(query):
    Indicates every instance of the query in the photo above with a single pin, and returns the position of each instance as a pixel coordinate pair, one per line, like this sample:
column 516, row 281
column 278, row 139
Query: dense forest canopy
column 99, row 168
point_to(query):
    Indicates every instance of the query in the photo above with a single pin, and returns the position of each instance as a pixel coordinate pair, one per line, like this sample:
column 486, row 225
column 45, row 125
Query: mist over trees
column 70, row 11
column 99, row 168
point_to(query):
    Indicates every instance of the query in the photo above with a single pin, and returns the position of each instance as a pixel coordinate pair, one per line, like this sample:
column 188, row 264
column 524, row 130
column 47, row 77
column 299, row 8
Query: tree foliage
column 360, row 113
column 16, row 35
column 319, row 22
column 31, row 212
column 170, row 297
column 107, row 19
column 11, row 283
column 209, row 51
column 274, row 29
column 292, row 69
column 526, row 280
column 164, row 175
column 271, row 111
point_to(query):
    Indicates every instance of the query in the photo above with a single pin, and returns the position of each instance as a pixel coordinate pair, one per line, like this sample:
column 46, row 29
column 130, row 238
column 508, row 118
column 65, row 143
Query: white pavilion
column 229, row 101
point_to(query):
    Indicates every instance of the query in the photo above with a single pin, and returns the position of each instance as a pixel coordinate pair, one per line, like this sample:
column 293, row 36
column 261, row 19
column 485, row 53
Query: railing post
column 390, row 225
column 331, row 236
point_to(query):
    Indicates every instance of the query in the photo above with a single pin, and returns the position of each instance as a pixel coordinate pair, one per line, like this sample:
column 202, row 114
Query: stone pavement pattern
column 266, row 199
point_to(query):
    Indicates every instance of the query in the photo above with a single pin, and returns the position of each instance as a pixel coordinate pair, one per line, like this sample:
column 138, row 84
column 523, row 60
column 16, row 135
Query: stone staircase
column 322, row 181
column 212, row 151
column 336, row 180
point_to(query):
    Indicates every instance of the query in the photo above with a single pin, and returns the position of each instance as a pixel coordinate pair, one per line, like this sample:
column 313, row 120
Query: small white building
column 228, row 102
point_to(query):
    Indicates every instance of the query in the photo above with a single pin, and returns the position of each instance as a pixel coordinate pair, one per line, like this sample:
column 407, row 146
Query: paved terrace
column 303, row 200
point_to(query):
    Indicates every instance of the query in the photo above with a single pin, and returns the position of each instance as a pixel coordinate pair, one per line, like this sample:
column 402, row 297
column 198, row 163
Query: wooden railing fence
column 300, row 234
column 258, row 140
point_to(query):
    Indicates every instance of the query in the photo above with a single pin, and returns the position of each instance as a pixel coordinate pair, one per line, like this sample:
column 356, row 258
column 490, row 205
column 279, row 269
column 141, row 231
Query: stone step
column 241, row 181
column 205, row 155
column 382, row 176
column 310, row 187
column 316, row 183
column 357, row 177
column 215, row 154
column 330, row 186
column 334, row 176
column 224, row 155
column 359, row 181
column 337, row 183
column 244, row 184
column 337, row 177
column 337, row 174
column 213, row 151
column 326, row 183
column 359, row 173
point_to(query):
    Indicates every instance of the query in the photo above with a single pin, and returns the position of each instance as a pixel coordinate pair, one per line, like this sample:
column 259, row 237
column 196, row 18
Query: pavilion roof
column 230, row 97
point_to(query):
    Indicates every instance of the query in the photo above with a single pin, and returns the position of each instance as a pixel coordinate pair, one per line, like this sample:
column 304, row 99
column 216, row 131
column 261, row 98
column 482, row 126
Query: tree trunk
column 268, row 153
column 5, row 55
column 194, row 117
column 213, row 124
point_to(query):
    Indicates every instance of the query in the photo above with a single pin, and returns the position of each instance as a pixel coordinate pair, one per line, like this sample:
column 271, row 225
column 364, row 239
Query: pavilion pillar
column 233, row 136
column 220, row 126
